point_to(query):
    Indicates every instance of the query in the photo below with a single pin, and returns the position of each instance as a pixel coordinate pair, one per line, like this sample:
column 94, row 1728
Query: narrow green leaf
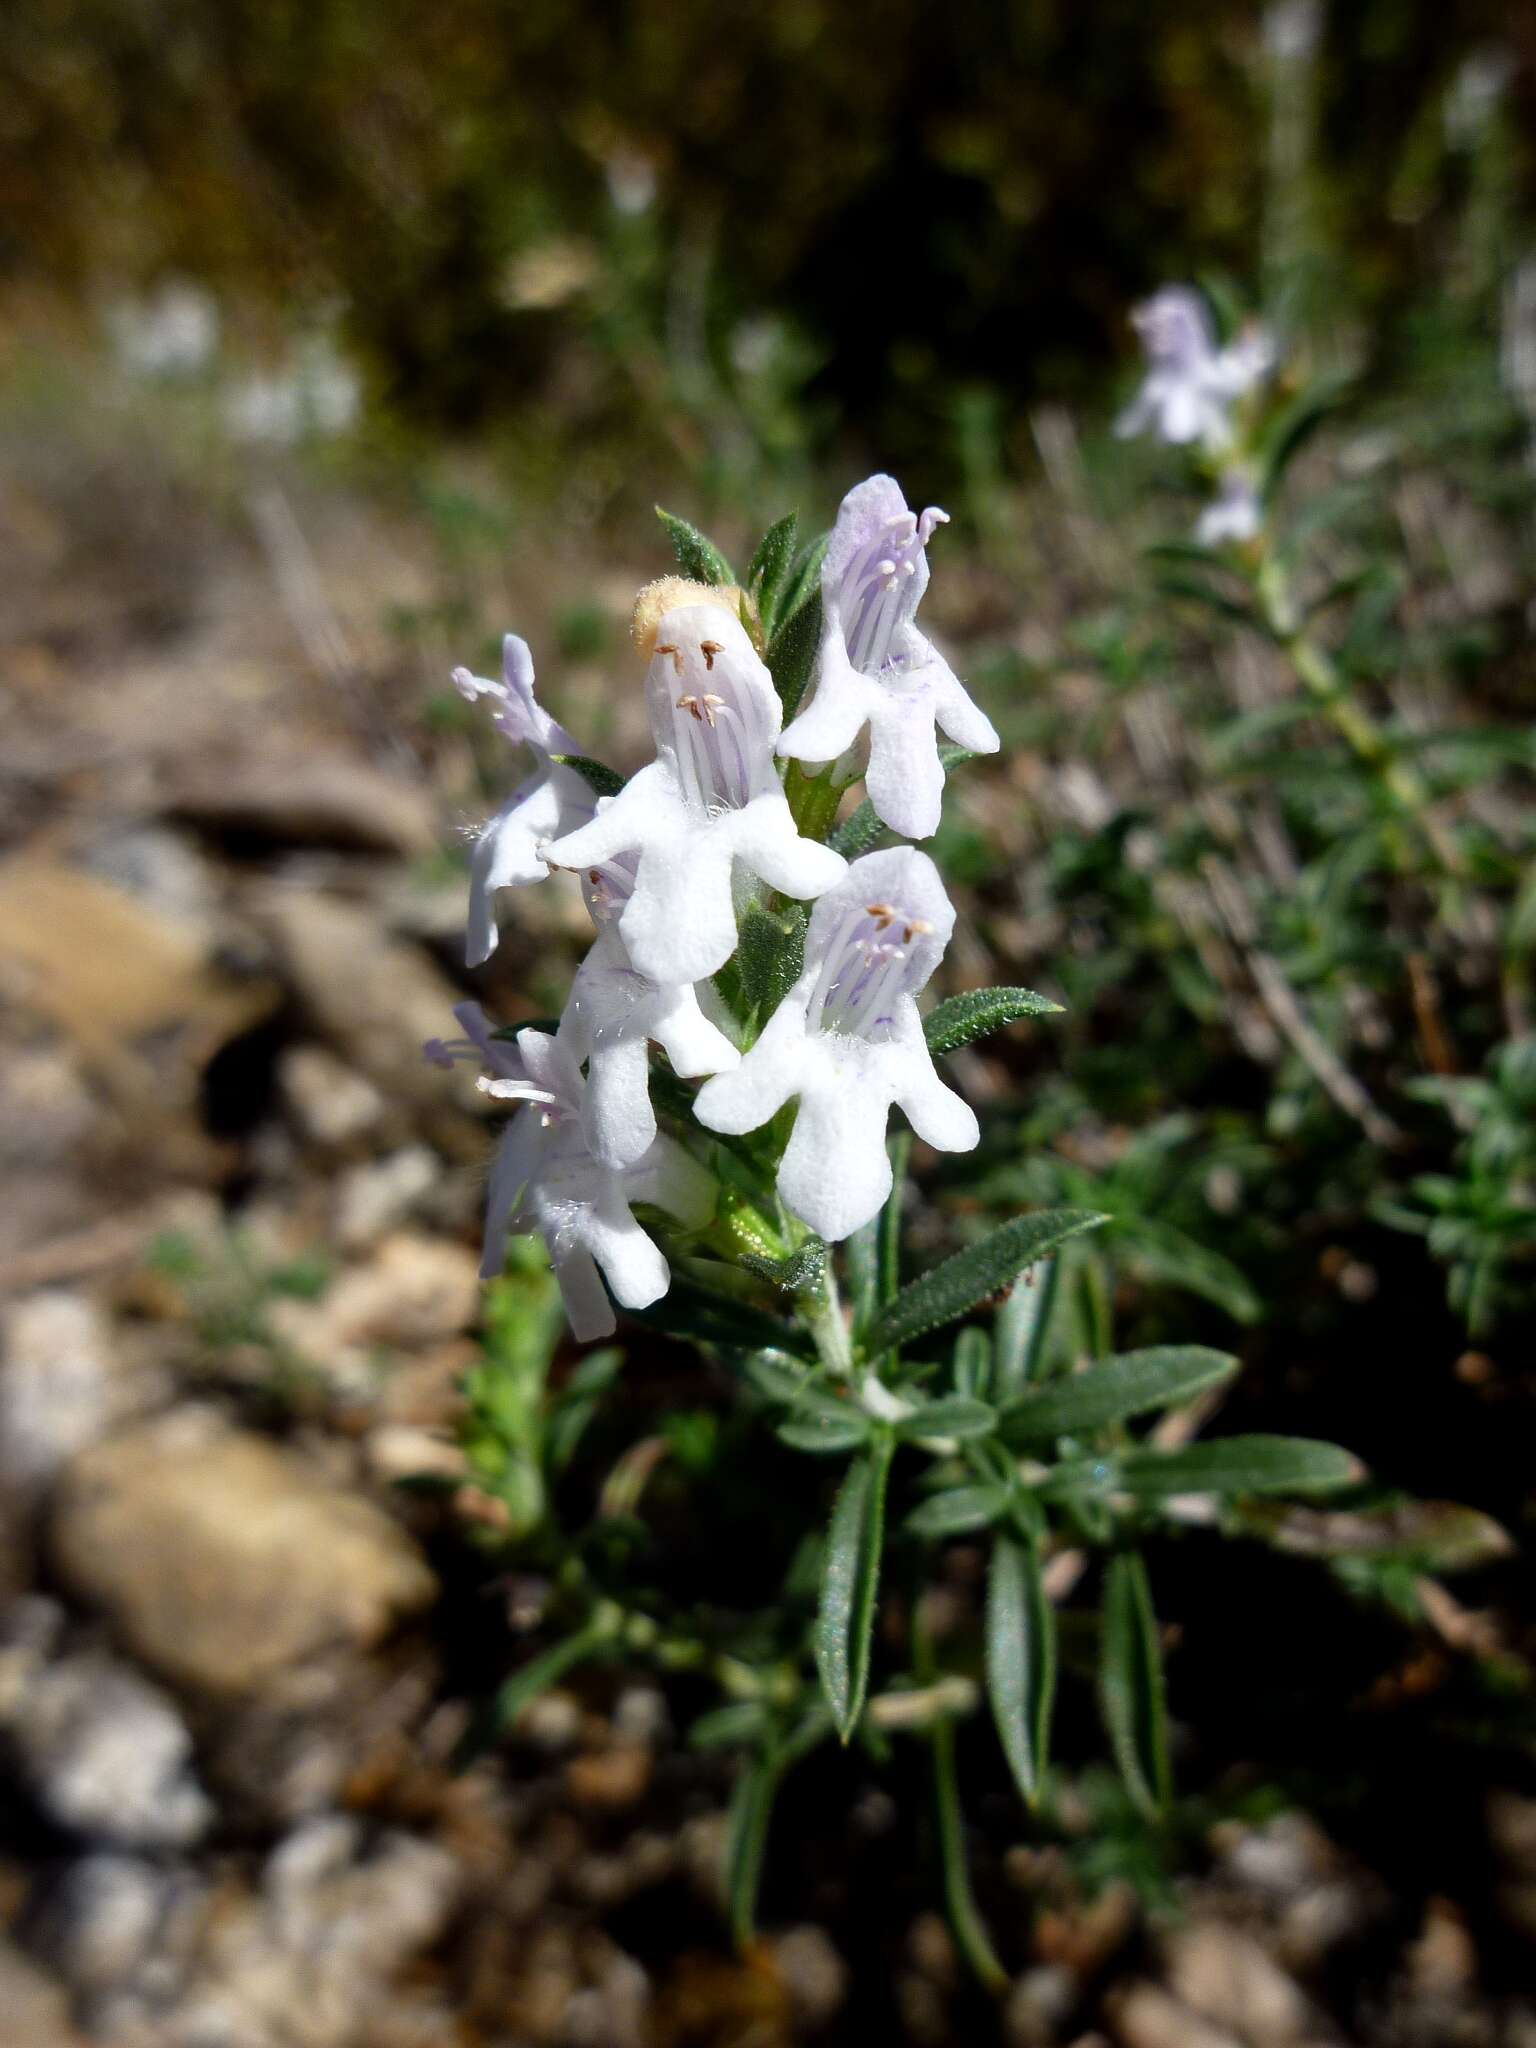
column 751, row 1809
column 1132, row 1384
column 900, row 1149
column 825, row 1433
column 804, row 577
column 813, row 1403
column 957, row 1511
column 1239, row 1464
column 526, row 1684
column 1021, row 1661
column 970, row 1932
column 970, row 1016
column 1175, row 584
column 697, row 555
column 792, row 654
column 778, row 1377
column 956, row 1415
column 995, row 1261
column 857, row 833
column 739, row 1721
column 1187, row 551
column 770, row 567
column 713, row 1319
column 973, row 1363
column 1023, row 1323
column 605, row 781
column 1154, row 1249
column 1131, row 1683
column 770, row 951
column 863, row 1261
column 746, row 1839
column 850, row 1580
column 1294, row 426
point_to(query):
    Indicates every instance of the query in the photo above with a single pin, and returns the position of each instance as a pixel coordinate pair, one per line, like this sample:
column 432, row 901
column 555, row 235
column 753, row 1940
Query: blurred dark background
column 857, row 216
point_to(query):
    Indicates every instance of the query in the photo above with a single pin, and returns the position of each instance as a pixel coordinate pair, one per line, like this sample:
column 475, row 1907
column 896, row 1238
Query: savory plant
column 704, row 1141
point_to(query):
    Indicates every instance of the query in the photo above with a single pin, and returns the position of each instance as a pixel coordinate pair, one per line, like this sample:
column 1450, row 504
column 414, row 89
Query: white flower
column 553, row 800
column 709, row 803
column 545, row 1178
column 1234, row 514
column 173, row 332
column 612, row 1013
column 848, row 1042
column 875, row 668
column 1190, row 383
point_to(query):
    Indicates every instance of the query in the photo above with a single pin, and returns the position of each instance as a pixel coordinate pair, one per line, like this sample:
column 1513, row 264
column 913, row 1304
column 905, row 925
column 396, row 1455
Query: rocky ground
column 237, row 1252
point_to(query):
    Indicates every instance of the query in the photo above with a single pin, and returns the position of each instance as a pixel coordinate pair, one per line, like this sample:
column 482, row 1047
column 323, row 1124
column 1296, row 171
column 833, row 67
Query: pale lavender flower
column 612, row 1013
column 875, row 668
column 1190, row 384
column 1235, row 514
column 848, row 1042
column 546, row 1179
column 554, row 799
column 708, row 805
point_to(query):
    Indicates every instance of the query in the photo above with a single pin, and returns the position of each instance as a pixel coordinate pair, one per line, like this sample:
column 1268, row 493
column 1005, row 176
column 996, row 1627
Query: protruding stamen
column 518, row 1091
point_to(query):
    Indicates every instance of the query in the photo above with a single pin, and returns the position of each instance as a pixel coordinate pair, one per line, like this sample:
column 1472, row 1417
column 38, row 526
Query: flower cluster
column 1188, row 398
column 670, row 863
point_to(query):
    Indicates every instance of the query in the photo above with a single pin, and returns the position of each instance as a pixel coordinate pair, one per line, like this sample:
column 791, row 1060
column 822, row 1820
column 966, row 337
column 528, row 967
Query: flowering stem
column 1350, row 720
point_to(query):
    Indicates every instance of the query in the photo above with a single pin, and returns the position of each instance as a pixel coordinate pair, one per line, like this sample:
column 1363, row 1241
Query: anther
column 691, row 706
column 709, row 649
column 676, row 654
column 882, row 913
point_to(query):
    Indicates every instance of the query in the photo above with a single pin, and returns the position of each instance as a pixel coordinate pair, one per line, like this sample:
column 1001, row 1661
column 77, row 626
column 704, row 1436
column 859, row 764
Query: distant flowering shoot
column 847, row 1043
column 545, row 1178
column 874, row 668
column 1191, row 383
column 709, row 809
column 553, row 800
